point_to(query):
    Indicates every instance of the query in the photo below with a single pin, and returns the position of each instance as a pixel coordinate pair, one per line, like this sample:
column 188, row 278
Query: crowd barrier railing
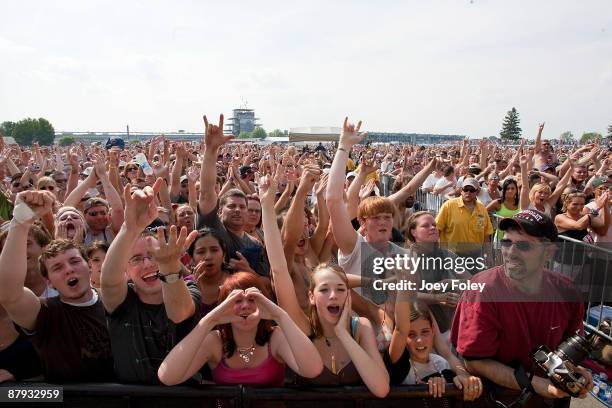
column 95, row 395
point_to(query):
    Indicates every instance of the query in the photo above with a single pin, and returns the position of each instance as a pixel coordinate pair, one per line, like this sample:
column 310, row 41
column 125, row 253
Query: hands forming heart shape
column 245, row 305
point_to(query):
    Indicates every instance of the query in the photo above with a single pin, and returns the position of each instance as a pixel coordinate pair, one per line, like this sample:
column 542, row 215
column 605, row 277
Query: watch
column 170, row 277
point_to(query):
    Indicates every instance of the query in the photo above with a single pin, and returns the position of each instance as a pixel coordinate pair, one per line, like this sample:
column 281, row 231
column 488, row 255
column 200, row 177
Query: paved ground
column 589, row 402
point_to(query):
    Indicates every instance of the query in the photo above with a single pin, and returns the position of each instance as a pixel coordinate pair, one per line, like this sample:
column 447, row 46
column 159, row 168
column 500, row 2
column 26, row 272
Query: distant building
column 332, row 134
column 243, row 120
column 413, row 138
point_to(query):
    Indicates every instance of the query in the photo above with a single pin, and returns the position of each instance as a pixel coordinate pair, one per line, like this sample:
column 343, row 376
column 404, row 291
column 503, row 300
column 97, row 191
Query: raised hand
column 350, row 135
column 225, row 312
column 193, row 175
column 541, row 128
column 40, row 202
column 213, row 134
column 321, row 185
column 140, row 206
column 368, row 166
column 266, row 309
column 168, row 253
column 602, row 200
column 99, row 168
column 366, row 189
column 268, row 185
column 310, row 175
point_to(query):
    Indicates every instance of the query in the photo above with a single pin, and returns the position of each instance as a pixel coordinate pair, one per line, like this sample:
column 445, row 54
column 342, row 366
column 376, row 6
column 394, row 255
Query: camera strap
column 524, row 381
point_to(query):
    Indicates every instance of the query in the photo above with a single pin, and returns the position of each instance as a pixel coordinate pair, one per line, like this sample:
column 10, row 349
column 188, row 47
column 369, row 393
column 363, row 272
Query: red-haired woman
column 245, row 348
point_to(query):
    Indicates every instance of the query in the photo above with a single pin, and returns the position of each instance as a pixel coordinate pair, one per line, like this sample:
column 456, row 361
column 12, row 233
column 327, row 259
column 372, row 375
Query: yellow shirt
column 350, row 165
column 372, row 176
column 459, row 227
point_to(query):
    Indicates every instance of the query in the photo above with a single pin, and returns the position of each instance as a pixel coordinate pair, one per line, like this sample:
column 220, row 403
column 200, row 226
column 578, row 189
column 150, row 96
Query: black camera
column 560, row 365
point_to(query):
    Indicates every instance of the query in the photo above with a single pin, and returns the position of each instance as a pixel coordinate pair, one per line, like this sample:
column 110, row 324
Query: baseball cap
column 470, row 182
column 183, row 178
column 600, row 181
column 474, row 168
column 351, row 174
column 93, row 202
column 244, row 170
column 532, row 222
column 87, row 171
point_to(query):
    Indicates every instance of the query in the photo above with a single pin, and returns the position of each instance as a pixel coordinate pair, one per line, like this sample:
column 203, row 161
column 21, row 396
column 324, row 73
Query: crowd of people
column 251, row 264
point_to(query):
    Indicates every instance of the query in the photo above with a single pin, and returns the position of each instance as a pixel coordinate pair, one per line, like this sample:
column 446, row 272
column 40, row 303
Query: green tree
column 31, row 130
column 259, row 133
column 7, row 128
column 590, row 137
column 511, row 132
column 66, row 141
column 610, row 131
column 244, row 135
column 567, row 137
column 276, row 133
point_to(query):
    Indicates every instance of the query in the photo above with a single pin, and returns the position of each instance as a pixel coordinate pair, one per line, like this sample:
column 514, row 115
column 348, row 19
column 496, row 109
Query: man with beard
column 68, row 331
column 228, row 217
column 523, row 306
column 150, row 314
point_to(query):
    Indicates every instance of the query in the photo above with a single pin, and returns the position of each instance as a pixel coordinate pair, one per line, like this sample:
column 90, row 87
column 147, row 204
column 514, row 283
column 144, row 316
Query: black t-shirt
column 252, row 250
column 73, row 342
column 21, row 359
column 142, row 336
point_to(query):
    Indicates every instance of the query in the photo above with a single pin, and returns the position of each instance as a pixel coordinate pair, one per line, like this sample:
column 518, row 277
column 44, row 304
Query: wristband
column 342, row 149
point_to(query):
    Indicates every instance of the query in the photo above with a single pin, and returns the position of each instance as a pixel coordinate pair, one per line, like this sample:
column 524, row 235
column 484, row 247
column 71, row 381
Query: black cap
column 531, row 222
column 244, row 170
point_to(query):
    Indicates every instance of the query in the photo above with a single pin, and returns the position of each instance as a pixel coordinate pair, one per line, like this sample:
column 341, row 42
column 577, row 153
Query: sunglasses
column 95, row 213
column 48, row 188
column 522, row 246
column 469, row 189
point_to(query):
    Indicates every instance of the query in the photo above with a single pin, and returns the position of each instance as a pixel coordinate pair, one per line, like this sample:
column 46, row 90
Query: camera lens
column 575, row 349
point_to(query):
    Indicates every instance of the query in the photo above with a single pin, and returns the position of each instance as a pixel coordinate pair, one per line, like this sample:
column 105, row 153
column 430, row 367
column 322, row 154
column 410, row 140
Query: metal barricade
column 429, row 201
column 94, row 395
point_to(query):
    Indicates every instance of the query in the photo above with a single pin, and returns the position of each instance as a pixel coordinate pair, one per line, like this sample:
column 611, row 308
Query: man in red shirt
column 522, row 306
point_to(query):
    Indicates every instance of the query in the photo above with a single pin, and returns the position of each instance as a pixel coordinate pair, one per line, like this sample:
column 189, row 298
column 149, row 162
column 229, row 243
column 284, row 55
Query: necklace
column 333, row 356
column 246, row 353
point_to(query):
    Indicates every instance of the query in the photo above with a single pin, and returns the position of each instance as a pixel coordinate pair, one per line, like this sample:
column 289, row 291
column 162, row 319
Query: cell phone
column 34, row 168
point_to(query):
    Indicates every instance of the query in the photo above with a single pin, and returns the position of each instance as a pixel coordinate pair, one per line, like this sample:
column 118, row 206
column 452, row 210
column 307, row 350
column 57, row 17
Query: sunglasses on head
column 523, row 246
column 67, row 216
column 60, row 180
column 469, row 189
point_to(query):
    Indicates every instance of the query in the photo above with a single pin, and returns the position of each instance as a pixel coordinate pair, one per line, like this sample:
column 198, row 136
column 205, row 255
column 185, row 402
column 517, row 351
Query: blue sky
column 414, row 66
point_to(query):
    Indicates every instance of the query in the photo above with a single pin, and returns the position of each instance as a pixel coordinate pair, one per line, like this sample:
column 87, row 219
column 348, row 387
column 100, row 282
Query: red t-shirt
column 493, row 324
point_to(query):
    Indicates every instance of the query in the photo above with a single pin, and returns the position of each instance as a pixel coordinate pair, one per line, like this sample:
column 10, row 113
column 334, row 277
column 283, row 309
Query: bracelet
column 341, row 149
